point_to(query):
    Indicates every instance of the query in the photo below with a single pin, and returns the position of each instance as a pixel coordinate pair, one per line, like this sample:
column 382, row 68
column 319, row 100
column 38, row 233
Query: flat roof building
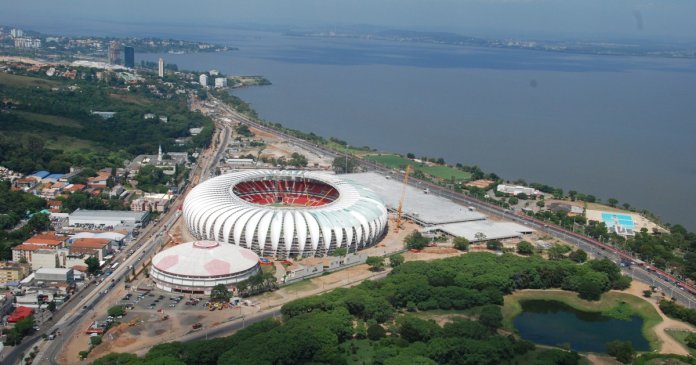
column 55, row 274
column 107, row 218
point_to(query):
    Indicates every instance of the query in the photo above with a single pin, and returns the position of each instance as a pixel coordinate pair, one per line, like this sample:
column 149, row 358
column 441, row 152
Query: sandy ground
column 599, row 359
column 669, row 344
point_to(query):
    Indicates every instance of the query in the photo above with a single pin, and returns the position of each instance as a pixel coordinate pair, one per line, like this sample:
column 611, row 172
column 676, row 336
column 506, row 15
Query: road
column 683, row 293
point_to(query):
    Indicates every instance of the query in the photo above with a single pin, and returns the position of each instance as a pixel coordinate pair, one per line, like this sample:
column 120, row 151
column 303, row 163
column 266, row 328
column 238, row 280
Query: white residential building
column 161, row 67
column 203, row 80
column 517, row 189
column 220, row 82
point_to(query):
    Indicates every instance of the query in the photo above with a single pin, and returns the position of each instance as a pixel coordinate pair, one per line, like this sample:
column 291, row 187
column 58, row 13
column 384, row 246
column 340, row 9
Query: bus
column 114, row 266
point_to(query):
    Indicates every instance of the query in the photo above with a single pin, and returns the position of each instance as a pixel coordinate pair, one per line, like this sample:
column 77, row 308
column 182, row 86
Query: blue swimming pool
column 613, row 219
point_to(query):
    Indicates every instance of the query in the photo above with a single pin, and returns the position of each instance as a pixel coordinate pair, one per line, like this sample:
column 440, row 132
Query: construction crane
column 401, row 200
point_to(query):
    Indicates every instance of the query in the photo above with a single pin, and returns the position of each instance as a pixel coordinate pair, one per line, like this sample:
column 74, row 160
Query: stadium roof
column 491, row 230
column 205, row 259
column 426, row 208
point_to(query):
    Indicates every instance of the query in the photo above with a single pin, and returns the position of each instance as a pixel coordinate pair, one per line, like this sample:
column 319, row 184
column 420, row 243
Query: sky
column 584, row 19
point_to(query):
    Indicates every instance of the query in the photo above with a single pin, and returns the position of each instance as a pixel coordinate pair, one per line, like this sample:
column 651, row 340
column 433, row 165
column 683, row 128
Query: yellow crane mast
column 401, row 200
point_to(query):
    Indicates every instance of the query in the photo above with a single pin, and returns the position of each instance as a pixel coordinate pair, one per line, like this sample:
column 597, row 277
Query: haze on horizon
column 664, row 20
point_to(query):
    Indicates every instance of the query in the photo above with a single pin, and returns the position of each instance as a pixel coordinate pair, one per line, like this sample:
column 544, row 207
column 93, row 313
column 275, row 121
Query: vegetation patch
column 681, row 336
column 439, row 172
column 49, row 119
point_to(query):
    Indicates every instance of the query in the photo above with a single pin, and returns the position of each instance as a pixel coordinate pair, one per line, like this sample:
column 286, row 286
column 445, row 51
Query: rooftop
column 427, row 208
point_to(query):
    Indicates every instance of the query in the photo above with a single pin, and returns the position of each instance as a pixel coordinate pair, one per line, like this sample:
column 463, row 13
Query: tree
column 376, row 263
column 513, row 200
column 621, row 350
column 416, row 241
column 540, row 203
column 220, row 293
column 461, row 243
column 344, row 165
column 491, row 316
column 612, row 202
column 116, row 311
column 95, row 340
column 647, row 293
column 92, row 265
column 396, row 260
column 341, row 251
column 558, row 252
column 522, row 196
column 525, row 248
column 578, row 255
column 410, row 156
column 494, row 245
column 690, row 340
column 591, row 285
column 51, row 306
column 375, row 332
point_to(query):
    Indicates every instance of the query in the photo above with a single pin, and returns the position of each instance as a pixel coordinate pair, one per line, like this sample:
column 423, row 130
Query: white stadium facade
column 286, row 213
column 196, row 267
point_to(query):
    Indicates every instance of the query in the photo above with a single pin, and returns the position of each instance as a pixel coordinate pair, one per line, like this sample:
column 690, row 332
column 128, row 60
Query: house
column 97, row 247
column 99, row 181
column 26, row 184
column 73, row 188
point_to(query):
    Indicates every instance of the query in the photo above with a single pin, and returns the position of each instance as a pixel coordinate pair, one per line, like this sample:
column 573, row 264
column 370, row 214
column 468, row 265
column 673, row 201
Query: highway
column 665, row 282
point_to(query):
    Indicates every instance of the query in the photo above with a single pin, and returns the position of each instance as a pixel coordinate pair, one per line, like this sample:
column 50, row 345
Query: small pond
column 554, row 323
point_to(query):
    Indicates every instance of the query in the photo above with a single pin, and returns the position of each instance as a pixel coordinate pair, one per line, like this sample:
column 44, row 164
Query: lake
column 554, row 323
column 619, row 127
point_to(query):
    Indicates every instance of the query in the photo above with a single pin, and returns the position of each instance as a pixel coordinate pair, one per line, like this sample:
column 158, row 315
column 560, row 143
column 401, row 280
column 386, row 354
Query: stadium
column 286, row 213
column 196, row 267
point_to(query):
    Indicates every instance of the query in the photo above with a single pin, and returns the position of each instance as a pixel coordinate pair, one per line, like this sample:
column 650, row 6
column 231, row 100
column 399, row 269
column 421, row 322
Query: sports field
column 440, row 172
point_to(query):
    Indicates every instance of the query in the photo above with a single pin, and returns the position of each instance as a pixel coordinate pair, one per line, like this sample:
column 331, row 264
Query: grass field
column 24, row 81
column 49, row 119
column 440, row 172
column 360, row 152
column 611, row 304
column 681, row 337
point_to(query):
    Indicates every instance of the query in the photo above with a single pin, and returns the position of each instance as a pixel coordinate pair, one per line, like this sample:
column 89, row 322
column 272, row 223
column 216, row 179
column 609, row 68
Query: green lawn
column 612, row 304
column 17, row 80
column 440, row 172
column 49, row 119
column 681, row 337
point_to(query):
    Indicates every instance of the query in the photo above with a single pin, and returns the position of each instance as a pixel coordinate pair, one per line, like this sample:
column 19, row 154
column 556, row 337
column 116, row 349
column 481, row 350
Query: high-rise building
column 129, row 57
column 114, row 53
column 220, row 82
column 160, row 70
column 16, row 33
column 203, row 80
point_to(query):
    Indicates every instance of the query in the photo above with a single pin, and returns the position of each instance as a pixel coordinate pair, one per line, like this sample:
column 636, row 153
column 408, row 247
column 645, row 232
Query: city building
column 66, row 275
column 15, row 33
column 517, row 189
column 97, row 247
column 129, row 56
column 220, row 82
column 151, row 203
column 11, row 272
column 114, row 53
column 23, row 42
column 203, row 80
column 286, row 213
column 196, row 267
column 107, row 219
column 160, row 68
